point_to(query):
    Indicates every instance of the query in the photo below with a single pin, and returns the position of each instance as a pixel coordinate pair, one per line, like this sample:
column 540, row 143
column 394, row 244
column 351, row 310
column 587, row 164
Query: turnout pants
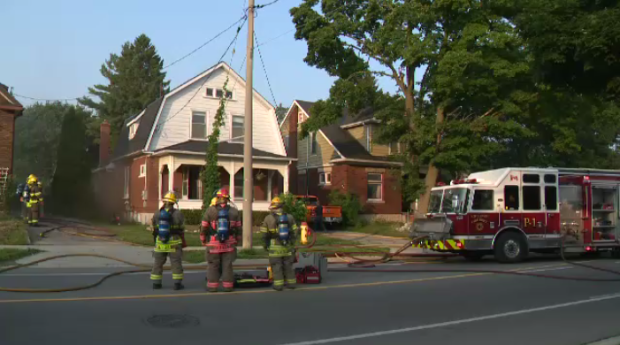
column 282, row 270
column 176, row 259
column 223, row 261
column 33, row 214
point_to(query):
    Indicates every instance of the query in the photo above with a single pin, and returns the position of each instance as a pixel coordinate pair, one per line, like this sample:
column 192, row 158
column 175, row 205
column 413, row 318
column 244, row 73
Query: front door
column 534, row 216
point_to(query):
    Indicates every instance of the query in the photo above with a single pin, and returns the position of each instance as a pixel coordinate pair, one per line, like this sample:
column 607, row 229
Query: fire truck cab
column 511, row 212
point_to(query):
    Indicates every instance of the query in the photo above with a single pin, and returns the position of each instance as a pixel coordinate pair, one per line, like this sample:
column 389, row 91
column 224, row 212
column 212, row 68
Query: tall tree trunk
column 433, row 172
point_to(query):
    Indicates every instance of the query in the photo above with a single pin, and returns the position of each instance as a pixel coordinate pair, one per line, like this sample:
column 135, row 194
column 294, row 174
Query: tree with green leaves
column 210, row 175
column 465, row 107
column 135, row 78
column 71, row 190
column 37, row 135
column 573, row 47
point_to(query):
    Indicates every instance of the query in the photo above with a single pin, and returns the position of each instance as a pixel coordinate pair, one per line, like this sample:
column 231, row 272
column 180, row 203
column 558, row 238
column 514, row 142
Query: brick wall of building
column 7, row 129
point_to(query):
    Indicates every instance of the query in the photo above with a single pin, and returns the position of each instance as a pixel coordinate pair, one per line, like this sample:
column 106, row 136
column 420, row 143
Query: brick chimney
column 104, row 143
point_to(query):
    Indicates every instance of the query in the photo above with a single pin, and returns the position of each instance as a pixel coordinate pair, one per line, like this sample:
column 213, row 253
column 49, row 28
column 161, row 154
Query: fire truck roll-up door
column 604, row 210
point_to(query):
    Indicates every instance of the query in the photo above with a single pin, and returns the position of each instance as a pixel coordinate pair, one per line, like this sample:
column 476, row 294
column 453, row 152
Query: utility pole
column 248, row 183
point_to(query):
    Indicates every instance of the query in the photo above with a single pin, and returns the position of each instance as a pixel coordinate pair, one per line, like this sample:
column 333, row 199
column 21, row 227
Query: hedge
column 194, row 217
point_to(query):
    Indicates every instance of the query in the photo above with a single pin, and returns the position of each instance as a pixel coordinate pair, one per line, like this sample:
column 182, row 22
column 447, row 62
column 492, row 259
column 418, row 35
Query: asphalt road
column 349, row 308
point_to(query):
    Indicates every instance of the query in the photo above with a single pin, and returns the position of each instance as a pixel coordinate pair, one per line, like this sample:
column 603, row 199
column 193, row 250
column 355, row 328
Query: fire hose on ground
column 357, row 265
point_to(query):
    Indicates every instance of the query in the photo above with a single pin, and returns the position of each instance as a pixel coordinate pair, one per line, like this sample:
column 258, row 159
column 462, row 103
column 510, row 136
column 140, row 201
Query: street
column 349, row 308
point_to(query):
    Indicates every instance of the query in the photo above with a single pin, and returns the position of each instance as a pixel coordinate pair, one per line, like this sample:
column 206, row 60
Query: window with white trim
column 325, row 178
column 126, row 185
column 218, row 93
column 133, row 129
column 199, row 125
column 375, row 187
column 142, row 170
column 313, row 143
column 394, row 148
column 238, row 128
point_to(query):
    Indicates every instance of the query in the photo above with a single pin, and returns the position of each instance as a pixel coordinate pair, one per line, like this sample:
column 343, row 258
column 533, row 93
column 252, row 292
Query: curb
column 608, row 341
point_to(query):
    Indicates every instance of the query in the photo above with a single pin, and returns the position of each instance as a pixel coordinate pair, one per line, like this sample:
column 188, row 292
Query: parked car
column 331, row 214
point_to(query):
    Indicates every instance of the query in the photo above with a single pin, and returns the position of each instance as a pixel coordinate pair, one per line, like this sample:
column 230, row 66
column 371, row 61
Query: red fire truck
column 511, row 212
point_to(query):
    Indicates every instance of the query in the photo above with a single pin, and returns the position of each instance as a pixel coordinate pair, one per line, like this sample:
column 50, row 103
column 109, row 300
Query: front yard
column 13, row 231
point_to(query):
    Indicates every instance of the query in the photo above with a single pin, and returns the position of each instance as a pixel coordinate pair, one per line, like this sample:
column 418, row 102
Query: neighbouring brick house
column 344, row 156
column 10, row 109
column 163, row 149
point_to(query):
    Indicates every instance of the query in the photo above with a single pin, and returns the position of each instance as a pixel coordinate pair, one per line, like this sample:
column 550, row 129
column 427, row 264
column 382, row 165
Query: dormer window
column 133, row 129
column 218, row 93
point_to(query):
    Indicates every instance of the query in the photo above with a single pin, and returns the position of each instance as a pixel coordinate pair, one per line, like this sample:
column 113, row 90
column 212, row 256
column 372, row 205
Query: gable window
column 313, row 143
column 238, row 128
column 218, row 93
column 375, row 187
column 325, row 178
column 142, row 170
column 368, row 138
column 199, row 125
column 394, row 148
column 133, row 129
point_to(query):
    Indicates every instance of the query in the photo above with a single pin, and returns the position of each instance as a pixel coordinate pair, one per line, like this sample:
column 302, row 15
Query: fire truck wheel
column 510, row 247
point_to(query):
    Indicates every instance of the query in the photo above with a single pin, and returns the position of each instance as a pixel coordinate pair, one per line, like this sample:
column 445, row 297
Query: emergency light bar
column 463, row 181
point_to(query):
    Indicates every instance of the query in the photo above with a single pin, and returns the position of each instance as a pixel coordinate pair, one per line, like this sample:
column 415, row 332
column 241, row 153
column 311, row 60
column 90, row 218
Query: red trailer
column 513, row 211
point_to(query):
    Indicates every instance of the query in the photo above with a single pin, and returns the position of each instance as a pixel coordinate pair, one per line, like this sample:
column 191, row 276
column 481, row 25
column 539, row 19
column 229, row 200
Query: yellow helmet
column 276, row 203
column 32, row 179
column 213, row 201
column 170, row 197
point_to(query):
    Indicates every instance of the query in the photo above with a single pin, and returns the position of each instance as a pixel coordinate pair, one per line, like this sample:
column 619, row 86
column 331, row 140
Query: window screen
column 531, row 178
column 551, row 197
column 511, row 197
column 531, row 198
column 483, row 200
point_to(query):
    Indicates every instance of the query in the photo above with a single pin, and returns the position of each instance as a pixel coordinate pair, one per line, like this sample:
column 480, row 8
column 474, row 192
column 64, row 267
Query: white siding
column 175, row 117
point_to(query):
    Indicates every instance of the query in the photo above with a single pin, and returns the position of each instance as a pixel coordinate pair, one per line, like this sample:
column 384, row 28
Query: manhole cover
column 172, row 321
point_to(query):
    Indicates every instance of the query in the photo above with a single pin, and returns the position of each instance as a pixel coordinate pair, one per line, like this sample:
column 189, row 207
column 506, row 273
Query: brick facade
column 7, row 137
column 354, row 179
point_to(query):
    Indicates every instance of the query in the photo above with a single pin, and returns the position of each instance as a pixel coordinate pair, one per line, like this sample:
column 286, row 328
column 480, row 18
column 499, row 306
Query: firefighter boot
column 157, row 286
column 178, row 286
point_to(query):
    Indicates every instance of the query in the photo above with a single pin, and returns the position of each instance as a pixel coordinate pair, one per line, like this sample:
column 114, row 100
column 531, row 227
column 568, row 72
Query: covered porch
column 181, row 174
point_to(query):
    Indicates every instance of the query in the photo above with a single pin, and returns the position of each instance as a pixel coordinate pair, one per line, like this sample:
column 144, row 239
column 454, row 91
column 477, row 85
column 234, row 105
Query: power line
column 265, row 70
column 234, row 40
column 274, row 38
column 46, row 99
column 265, row 5
column 245, row 16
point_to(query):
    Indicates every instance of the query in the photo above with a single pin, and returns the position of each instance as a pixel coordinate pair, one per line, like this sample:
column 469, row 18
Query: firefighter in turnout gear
column 279, row 235
column 34, row 202
column 169, row 237
column 220, row 229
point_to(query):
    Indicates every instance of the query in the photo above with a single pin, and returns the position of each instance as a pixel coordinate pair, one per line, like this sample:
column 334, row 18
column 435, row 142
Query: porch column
column 269, row 184
column 231, row 182
column 171, row 170
column 284, row 173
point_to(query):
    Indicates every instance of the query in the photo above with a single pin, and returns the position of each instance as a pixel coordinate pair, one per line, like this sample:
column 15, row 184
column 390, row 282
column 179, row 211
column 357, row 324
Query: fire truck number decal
column 529, row 221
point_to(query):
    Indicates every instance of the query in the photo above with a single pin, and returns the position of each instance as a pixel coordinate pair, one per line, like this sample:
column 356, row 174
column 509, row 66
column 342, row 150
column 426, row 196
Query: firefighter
column 279, row 234
column 34, row 201
column 169, row 238
column 220, row 229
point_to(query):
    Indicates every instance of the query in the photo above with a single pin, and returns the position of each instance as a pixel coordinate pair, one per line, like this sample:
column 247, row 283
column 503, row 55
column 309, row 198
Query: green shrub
column 8, row 200
column 351, row 206
column 295, row 207
column 192, row 217
column 257, row 217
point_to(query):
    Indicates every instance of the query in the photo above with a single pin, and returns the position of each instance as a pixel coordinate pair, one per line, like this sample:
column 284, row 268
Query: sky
column 54, row 49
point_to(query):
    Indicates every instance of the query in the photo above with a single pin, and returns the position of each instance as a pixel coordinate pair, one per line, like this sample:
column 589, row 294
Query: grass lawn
column 138, row 234
column 9, row 255
column 381, row 228
column 13, row 231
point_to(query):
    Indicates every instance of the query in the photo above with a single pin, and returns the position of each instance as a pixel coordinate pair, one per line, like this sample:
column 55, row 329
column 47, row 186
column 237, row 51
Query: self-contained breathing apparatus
column 223, row 225
column 165, row 225
column 283, row 228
